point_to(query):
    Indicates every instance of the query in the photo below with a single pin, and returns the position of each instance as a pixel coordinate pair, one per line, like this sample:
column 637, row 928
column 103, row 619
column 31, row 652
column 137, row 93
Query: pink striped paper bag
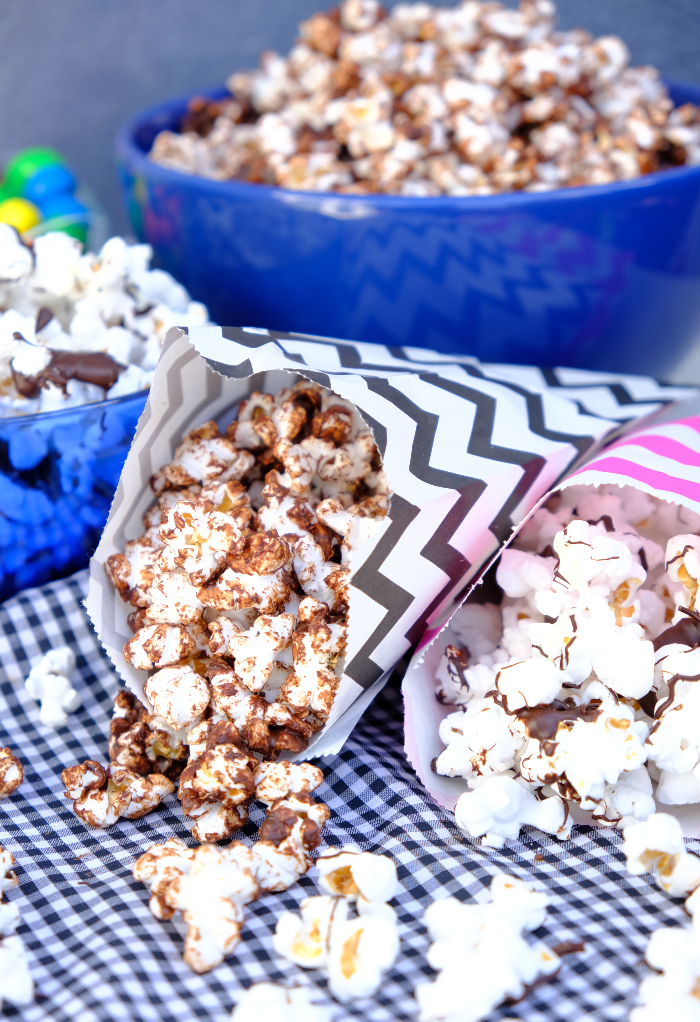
column 664, row 461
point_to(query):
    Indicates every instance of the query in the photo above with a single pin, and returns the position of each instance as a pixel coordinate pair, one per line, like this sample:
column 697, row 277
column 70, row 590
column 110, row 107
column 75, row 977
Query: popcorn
column 279, row 1004
column 241, row 610
column 48, row 682
column 11, row 772
column 423, row 101
column 656, row 845
column 499, row 807
column 557, row 687
column 100, row 797
column 674, row 954
column 349, row 873
column 211, row 886
column 354, row 952
column 78, row 328
column 485, row 943
column 16, row 983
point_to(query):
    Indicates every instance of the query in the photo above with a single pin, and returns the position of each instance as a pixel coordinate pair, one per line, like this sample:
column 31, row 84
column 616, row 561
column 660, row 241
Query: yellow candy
column 20, row 213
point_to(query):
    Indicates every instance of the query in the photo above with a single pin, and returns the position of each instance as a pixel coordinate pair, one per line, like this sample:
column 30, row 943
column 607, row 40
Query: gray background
column 73, row 70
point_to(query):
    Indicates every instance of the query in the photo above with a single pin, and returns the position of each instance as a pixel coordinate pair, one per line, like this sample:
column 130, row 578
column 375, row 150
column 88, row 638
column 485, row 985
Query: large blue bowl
column 58, row 474
column 603, row 277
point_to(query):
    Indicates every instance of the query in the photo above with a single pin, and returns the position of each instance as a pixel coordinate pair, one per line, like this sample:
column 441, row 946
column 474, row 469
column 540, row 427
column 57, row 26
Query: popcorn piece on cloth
column 499, row 807
column 349, row 873
column 101, row 796
column 274, row 781
column 354, row 952
column 11, row 772
column 484, row 942
column 275, row 1003
column 137, row 743
column 211, row 886
column 656, row 846
column 217, row 782
column 49, row 683
column 674, row 955
column 16, row 983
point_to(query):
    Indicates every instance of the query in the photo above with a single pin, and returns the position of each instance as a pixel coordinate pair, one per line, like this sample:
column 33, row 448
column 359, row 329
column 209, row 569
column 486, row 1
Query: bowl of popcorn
column 80, row 336
column 465, row 178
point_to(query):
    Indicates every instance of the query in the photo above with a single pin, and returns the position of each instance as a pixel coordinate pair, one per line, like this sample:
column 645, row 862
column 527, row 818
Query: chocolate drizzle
column 542, row 721
column 568, row 947
column 684, row 633
column 96, row 367
column 457, row 664
column 607, row 522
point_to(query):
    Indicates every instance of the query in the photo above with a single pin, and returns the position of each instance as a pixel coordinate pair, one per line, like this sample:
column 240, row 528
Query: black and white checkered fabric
column 98, row 954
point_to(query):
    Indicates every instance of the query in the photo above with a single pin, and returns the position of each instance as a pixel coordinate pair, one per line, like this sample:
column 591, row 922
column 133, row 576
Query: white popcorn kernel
column 274, row 781
column 275, row 1003
column 484, row 942
column 529, row 683
column 304, row 939
column 360, row 951
column 478, row 627
column 15, row 258
column 674, row 954
column 656, row 845
column 519, row 572
column 480, row 743
column 499, row 807
column 255, row 650
column 48, row 683
column 349, row 873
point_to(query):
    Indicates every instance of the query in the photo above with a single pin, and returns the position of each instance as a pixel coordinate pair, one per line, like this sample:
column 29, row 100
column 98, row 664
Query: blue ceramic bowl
column 58, row 474
column 604, row 277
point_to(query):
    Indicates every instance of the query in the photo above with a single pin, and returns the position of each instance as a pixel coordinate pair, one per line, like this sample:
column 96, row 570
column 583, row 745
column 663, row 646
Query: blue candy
column 20, row 504
column 27, row 448
column 64, row 205
column 48, row 183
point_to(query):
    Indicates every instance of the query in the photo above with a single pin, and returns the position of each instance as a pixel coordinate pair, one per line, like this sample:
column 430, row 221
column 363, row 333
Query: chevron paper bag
column 664, row 461
column 468, row 450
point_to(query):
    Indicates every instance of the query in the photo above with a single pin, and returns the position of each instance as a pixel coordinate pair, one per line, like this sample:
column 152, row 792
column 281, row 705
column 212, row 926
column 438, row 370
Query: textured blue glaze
column 605, row 277
column 58, row 474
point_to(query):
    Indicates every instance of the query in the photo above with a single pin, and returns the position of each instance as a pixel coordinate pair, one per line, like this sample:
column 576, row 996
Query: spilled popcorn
column 16, row 983
column 481, row 955
column 49, row 683
column 275, row 1003
column 354, row 953
column 77, row 328
column 211, row 885
column 580, row 689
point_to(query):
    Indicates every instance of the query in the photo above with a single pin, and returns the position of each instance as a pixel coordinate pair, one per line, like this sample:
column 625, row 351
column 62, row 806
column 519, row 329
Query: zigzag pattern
column 464, row 446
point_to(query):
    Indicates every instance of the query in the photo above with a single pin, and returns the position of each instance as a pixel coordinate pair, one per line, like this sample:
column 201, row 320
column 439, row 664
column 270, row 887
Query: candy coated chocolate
column 25, row 164
column 20, row 213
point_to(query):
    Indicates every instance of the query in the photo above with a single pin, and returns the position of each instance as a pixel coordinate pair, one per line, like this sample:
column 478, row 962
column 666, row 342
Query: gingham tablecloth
column 97, row 953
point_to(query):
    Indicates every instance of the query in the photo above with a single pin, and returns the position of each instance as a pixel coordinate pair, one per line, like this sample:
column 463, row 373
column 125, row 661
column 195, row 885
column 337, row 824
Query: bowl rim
column 131, row 154
column 89, row 405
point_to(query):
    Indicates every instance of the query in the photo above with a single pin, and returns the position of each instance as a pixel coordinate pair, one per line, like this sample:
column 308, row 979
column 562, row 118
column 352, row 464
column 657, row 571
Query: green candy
column 24, row 165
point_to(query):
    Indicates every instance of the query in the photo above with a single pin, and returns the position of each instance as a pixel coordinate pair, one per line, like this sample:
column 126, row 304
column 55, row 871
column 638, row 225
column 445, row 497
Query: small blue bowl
column 604, row 277
column 58, row 474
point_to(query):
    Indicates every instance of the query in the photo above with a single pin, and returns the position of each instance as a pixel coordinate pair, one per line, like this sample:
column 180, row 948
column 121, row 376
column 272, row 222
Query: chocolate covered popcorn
column 480, row 952
column 421, row 101
column 77, row 328
column 211, row 885
column 354, row 953
column 240, row 587
column 11, row 772
column 101, row 796
column 49, row 683
column 579, row 689
column 16, row 983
